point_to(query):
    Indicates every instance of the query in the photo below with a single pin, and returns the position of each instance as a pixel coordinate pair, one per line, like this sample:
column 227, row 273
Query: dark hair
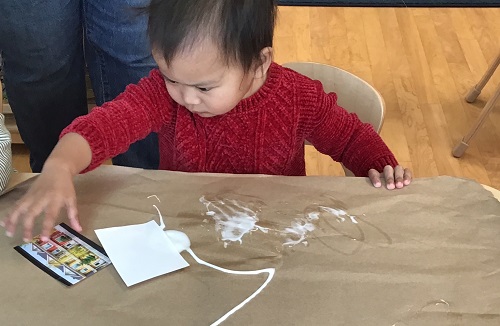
column 240, row 28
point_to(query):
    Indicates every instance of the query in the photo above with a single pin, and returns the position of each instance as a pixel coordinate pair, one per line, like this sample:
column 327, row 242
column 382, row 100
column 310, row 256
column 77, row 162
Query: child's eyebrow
column 205, row 83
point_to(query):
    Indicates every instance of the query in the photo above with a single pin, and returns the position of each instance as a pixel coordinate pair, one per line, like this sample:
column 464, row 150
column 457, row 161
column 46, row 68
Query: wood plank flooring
column 423, row 61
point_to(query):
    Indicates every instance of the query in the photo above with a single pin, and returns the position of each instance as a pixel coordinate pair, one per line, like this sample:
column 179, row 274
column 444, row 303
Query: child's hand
column 394, row 177
column 52, row 190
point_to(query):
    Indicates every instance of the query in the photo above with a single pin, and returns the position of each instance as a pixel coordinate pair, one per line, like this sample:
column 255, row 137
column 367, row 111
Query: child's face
column 201, row 81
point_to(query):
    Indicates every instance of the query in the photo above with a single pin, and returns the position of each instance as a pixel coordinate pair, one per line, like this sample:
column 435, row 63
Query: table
column 424, row 255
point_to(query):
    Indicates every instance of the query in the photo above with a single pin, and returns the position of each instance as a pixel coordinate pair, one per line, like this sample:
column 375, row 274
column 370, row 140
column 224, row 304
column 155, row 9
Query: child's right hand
column 395, row 178
column 52, row 190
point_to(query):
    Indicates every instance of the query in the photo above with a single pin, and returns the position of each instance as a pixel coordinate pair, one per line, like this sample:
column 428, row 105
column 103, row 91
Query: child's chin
column 205, row 114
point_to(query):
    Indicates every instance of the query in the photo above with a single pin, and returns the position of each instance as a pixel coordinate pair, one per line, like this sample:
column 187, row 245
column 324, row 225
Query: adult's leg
column 41, row 42
column 118, row 54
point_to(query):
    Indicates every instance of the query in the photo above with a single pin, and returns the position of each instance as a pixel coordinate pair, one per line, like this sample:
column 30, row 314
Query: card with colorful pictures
column 67, row 256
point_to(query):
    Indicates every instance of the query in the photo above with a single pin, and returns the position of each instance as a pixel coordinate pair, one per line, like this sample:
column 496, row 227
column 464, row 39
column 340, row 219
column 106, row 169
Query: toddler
column 218, row 103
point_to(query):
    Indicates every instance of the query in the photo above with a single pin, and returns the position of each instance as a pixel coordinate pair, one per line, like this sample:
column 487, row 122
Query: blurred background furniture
column 10, row 122
column 462, row 146
column 354, row 94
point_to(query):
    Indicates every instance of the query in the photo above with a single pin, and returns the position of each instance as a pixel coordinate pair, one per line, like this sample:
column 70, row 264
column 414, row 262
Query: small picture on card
column 67, row 256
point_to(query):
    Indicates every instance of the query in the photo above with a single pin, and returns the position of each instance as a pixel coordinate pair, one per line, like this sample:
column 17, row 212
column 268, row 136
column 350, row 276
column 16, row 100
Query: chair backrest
column 354, row 94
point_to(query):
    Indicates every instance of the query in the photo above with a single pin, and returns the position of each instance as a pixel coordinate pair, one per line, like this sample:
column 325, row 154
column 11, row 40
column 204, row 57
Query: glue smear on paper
column 235, row 217
column 270, row 272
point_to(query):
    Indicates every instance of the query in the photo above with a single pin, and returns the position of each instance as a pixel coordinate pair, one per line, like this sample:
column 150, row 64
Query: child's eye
column 203, row 89
column 170, row 81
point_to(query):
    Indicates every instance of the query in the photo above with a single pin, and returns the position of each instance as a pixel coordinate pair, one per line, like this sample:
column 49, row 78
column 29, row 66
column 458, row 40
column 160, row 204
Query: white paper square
column 140, row 252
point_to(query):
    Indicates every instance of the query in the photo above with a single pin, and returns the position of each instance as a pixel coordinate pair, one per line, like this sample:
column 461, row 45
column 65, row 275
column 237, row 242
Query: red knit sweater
column 264, row 133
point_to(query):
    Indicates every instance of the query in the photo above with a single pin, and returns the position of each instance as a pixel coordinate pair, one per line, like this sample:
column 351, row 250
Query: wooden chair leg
column 476, row 90
column 459, row 150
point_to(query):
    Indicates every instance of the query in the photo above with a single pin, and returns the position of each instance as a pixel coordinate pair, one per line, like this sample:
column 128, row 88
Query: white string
column 151, row 196
column 270, row 271
column 162, row 225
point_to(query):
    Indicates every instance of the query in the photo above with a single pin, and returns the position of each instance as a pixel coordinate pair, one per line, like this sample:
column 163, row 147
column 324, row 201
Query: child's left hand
column 397, row 177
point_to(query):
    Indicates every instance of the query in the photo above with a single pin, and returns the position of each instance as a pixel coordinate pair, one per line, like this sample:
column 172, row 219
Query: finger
column 11, row 222
column 29, row 217
column 408, row 176
column 398, row 175
column 51, row 213
column 28, row 227
column 48, row 224
column 389, row 177
column 73, row 214
column 374, row 176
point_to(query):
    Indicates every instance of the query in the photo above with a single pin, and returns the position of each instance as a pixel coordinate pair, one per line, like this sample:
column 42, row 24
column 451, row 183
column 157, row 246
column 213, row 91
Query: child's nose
column 190, row 97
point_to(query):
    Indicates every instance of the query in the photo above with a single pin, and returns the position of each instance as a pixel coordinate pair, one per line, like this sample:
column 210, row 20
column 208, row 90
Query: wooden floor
column 423, row 61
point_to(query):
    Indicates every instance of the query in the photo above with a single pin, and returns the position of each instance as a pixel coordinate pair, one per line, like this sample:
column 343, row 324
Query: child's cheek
column 174, row 94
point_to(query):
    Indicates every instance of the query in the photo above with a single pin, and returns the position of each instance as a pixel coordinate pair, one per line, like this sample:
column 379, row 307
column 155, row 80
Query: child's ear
column 266, row 58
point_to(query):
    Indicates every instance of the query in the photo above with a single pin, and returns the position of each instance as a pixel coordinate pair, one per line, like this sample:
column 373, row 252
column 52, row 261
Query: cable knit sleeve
column 134, row 114
column 341, row 135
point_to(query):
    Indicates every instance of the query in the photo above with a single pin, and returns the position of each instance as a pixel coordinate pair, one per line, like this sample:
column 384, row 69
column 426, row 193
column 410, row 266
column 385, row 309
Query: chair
column 462, row 146
column 354, row 94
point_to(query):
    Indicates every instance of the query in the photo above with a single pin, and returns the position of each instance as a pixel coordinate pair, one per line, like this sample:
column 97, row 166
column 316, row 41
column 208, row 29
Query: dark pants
column 45, row 45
